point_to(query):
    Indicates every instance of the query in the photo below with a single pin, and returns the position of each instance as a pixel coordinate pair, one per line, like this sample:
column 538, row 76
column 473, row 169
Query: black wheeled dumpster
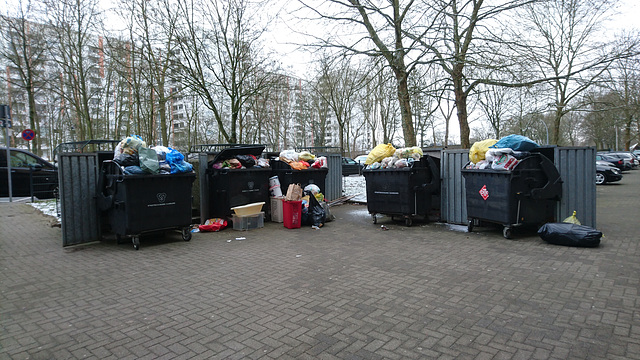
column 527, row 194
column 234, row 187
column 138, row 204
column 405, row 192
column 287, row 175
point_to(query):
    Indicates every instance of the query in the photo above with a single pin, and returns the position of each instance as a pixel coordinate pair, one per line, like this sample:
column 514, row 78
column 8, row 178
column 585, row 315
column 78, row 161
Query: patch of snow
column 454, row 227
column 355, row 185
column 47, row 207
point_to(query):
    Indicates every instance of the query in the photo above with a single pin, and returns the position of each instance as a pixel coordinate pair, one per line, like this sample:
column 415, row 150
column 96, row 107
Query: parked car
column 27, row 169
column 636, row 158
column 351, row 167
column 361, row 159
column 617, row 162
column 607, row 173
column 605, row 163
column 626, row 157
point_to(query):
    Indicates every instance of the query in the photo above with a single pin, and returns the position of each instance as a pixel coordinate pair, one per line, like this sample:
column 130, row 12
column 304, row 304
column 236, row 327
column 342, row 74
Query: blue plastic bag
column 515, row 142
column 176, row 160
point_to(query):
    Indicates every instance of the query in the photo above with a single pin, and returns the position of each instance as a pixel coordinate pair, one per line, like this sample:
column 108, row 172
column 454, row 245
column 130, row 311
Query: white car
column 360, row 159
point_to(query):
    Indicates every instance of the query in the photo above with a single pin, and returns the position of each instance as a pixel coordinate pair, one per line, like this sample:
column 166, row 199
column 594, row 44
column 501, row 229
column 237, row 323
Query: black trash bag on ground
column 125, row 159
column 315, row 215
column 328, row 216
column 568, row 234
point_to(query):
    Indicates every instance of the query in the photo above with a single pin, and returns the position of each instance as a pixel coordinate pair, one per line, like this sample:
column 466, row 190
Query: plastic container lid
column 248, row 209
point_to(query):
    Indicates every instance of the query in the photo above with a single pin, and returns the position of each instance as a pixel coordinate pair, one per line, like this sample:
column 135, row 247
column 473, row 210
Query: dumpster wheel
column 408, row 221
column 507, row 232
column 470, row 226
column 136, row 242
column 186, row 234
column 374, row 218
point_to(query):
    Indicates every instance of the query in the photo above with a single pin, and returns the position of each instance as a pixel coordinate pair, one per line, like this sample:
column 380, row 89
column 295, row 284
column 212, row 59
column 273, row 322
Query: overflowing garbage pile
column 135, row 158
column 247, row 161
column 310, row 206
column 503, row 154
column 385, row 156
column 302, row 160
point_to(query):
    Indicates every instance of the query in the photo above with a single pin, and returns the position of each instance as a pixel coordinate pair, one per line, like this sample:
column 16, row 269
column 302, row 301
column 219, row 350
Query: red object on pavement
column 292, row 214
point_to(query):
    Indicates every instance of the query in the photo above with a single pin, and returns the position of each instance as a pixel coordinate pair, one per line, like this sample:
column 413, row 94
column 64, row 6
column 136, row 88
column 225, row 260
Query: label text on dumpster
column 484, row 192
column 161, row 204
column 386, row 192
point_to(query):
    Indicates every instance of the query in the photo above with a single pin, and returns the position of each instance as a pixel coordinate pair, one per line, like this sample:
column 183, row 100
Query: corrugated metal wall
column 577, row 168
column 203, row 183
column 453, row 203
column 333, row 181
column 78, row 175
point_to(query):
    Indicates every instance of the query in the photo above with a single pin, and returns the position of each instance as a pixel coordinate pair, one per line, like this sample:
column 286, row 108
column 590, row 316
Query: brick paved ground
column 347, row 291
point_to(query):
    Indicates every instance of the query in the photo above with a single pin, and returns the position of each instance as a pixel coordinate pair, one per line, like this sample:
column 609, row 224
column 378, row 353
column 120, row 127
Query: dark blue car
column 29, row 173
column 351, row 167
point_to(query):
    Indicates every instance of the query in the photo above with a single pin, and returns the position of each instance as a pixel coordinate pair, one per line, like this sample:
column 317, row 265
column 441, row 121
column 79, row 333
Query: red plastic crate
column 292, row 214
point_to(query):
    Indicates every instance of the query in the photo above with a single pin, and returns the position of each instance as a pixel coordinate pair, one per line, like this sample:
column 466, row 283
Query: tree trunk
column 461, row 107
column 405, row 108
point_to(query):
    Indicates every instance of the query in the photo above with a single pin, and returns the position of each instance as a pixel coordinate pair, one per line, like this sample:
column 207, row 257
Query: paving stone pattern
column 347, row 291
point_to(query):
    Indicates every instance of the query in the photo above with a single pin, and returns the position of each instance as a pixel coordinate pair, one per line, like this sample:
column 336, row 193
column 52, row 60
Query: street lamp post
column 546, row 128
column 5, row 117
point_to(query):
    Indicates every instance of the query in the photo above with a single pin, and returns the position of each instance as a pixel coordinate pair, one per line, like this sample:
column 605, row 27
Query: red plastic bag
column 215, row 224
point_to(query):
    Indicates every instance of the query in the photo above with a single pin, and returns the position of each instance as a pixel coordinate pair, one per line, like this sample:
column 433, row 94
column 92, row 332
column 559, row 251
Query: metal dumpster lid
column 229, row 153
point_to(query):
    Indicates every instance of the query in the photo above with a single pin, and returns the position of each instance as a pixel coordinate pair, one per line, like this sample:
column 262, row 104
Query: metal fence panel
column 203, row 184
column 78, row 175
column 577, row 168
column 333, row 181
column 453, row 202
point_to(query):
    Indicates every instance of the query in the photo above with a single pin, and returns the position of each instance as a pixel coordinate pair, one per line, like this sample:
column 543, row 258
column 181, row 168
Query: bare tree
column 601, row 123
column 75, row 24
column 495, row 104
column 387, row 108
column 341, row 83
column 623, row 81
column 320, row 113
column 562, row 47
column 152, row 26
column 25, row 50
column 427, row 92
column 220, row 54
column 467, row 40
column 526, row 115
column 385, row 36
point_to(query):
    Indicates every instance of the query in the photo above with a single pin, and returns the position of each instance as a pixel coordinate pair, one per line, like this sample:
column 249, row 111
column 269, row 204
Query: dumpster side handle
column 553, row 188
column 434, row 185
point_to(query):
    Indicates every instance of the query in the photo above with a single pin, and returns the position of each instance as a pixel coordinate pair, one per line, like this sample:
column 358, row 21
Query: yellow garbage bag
column 572, row 219
column 379, row 152
column 479, row 149
column 409, row 152
column 306, row 156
